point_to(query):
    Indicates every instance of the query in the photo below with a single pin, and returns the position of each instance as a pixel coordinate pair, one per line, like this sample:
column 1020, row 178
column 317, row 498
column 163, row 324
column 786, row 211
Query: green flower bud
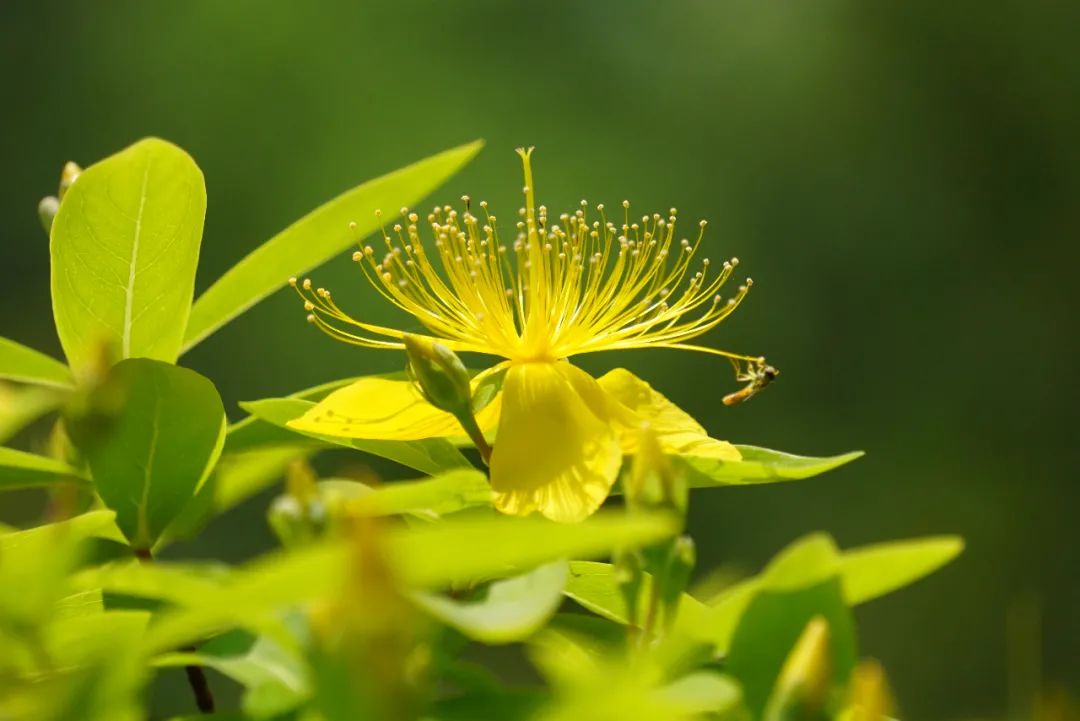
column 440, row 374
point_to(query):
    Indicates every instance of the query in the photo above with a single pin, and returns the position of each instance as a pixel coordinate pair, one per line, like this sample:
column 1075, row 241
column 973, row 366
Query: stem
column 204, row 698
column 468, row 422
column 196, row 676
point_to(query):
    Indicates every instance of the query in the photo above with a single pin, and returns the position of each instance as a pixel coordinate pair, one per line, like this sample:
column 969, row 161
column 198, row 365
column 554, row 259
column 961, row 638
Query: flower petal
column 557, row 450
column 383, row 409
column 676, row 430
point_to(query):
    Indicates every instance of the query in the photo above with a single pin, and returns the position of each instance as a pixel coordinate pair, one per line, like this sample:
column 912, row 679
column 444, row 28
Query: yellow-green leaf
column 124, row 248
column 26, row 470
column 26, row 365
column 758, row 465
column 317, row 237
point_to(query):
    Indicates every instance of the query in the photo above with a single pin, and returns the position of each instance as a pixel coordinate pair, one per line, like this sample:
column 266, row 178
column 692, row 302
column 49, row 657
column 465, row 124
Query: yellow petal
column 557, row 450
column 676, row 430
column 384, row 409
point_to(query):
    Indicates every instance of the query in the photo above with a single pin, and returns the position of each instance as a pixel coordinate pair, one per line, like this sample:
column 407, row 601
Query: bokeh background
column 902, row 181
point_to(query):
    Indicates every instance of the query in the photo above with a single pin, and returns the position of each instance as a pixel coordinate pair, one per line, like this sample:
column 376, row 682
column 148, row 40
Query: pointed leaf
column 92, row 524
column 124, row 248
column 758, row 465
column 26, row 470
column 26, row 365
column 22, row 405
column 872, row 571
column 152, row 436
column 317, row 237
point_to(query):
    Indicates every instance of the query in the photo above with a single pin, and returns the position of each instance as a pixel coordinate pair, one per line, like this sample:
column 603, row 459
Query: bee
column 756, row 377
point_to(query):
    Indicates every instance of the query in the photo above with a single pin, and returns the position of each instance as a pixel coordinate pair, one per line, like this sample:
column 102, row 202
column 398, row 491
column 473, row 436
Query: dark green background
column 901, row 180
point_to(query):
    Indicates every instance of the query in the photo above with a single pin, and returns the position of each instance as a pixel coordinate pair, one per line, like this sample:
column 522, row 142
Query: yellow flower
column 556, row 290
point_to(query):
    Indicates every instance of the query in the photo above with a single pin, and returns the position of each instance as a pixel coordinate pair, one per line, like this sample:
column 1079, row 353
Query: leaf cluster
column 382, row 594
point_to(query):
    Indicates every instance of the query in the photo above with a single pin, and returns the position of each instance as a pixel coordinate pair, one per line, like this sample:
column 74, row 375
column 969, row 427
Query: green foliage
column 758, row 465
column 151, row 434
column 26, row 470
column 381, row 592
column 124, row 247
column 317, row 237
column 19, row 363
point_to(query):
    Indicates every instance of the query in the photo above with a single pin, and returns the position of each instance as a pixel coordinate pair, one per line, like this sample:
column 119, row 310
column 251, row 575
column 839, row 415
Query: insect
column 756, row 376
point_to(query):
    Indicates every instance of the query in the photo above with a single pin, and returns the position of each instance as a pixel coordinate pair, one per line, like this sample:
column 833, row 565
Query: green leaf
column 432, row 455
column 758, row 465
column 22, row 405
column 26, row 470
column 273, row 678
column 93, row 524
column 152, row 436
column 512, row 609
column 593, row 585
column 317, row 237
column 872, row 571
column 769, row 628
column 866, row 573
column 444, row 494
column 459, row 549
column 124, row 248
column 701, row 692
column 177, row 583
column 26, row 365
column 236, row 477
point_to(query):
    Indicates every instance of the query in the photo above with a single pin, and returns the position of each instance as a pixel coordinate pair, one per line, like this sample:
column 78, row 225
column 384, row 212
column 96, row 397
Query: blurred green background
column 901, row 180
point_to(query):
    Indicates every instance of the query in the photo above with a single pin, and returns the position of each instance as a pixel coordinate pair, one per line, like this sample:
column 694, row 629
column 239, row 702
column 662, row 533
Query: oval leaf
column 317, row 237
column 124, row 248
column 151, row 435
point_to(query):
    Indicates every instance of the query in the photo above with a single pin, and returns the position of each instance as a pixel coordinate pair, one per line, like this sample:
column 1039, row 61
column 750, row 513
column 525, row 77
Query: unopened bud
column 440, row 374
column 802, row 687
column 870, row 698
column 445, row 384
column 68, row 176
column 299, row 517
column 47, row 210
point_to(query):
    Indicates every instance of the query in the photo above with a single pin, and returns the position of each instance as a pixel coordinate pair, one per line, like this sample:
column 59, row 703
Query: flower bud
column 47, row 210
column 802, row 687
column 68, row 176
column 870, row 699
column 440, row 374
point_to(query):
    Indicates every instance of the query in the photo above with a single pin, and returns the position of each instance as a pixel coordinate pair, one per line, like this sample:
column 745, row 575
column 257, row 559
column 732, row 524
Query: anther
column 292, row 281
